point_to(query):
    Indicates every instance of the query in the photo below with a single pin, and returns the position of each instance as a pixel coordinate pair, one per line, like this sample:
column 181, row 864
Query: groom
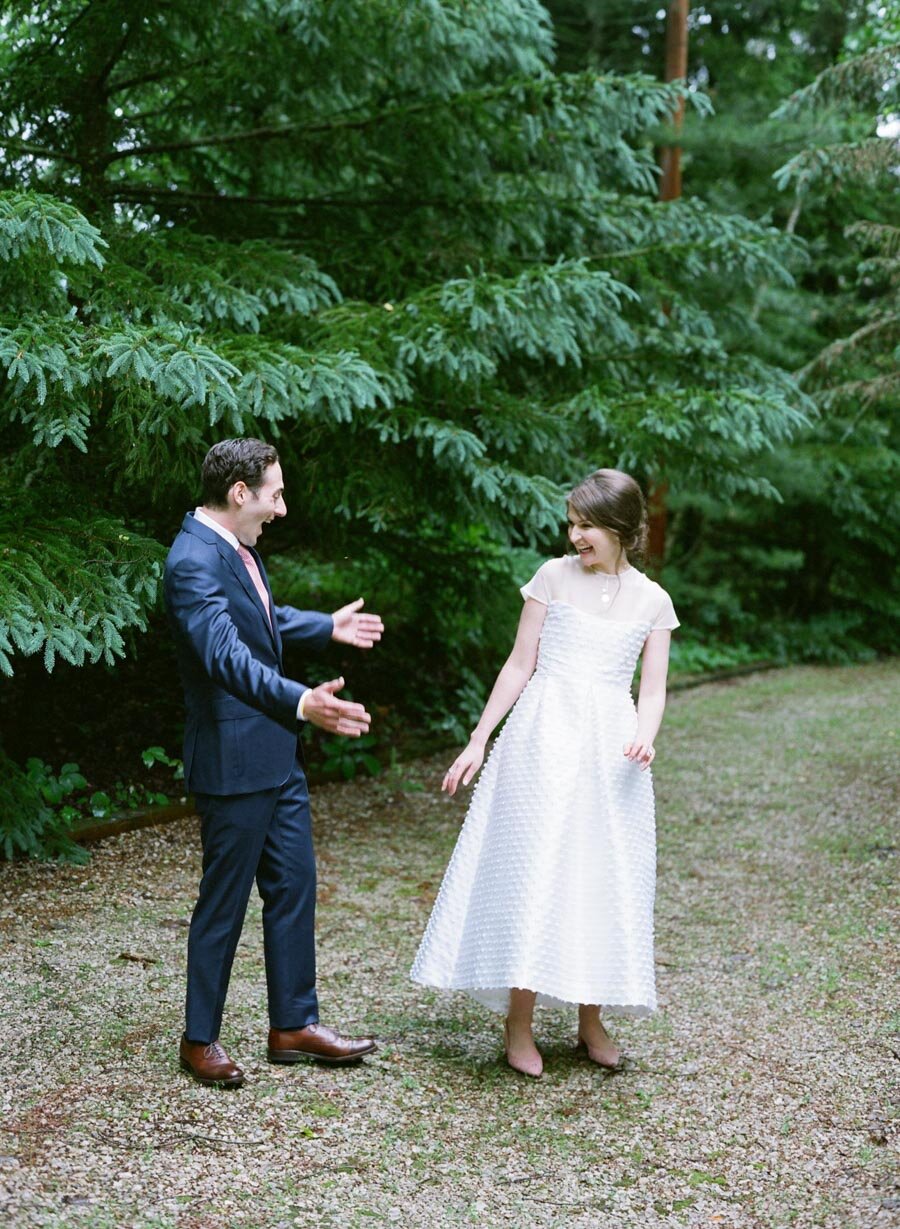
column 243, row 762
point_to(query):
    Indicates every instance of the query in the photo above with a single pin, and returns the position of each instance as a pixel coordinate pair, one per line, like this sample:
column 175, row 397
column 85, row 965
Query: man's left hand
column 352, row 627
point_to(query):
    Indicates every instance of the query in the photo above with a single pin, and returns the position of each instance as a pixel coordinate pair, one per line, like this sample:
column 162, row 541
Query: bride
column 548, row 897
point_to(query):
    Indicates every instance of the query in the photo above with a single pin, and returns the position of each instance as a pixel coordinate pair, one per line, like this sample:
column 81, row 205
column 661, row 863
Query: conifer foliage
column 805, row 132
column 386, row 235
column 862, row 369
column 851, row 454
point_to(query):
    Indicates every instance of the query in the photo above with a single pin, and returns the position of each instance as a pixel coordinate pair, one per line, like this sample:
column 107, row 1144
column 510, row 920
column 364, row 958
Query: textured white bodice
column 588, row 649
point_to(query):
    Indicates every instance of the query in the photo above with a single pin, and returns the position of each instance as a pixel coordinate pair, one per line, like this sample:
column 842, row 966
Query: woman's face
column 596, row 546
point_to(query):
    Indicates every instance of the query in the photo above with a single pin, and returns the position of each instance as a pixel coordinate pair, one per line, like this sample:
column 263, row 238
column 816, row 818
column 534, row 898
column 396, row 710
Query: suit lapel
column 238, row 567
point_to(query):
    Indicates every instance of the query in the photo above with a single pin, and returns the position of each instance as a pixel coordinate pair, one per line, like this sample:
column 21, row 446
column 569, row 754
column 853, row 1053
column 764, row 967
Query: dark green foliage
column 798, row 90
column 397, row 240
column 40, row 807
column 71, row 586
column 344, row 758
column 34, row 819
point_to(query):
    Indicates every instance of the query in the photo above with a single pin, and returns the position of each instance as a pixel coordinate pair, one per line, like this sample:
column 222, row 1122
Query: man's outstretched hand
column 352, row 627
column 324, row 709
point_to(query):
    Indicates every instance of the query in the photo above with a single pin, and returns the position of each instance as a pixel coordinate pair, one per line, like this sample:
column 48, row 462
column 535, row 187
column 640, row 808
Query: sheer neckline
column 632, row 597
column 606, row 575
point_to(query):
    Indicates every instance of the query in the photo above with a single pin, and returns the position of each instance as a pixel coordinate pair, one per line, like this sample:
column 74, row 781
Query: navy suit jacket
column 241, row 729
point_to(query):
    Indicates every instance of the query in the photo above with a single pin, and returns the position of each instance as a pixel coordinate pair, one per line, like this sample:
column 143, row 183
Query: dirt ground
column 764, row 1093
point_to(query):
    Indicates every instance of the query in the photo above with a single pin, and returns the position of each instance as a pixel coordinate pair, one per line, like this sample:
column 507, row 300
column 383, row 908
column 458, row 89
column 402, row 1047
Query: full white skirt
column 551, row 885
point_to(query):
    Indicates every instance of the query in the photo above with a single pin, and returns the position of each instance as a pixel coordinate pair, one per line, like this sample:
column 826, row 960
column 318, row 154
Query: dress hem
column 496, row 998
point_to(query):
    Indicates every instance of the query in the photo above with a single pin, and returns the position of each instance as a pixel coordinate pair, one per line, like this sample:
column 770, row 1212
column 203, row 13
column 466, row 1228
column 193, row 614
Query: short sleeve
column 539, row 585
column 666, row 618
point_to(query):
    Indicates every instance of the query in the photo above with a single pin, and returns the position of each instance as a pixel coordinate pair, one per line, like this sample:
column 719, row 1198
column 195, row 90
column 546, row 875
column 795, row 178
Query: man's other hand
column 352, row 627
column 324, row 709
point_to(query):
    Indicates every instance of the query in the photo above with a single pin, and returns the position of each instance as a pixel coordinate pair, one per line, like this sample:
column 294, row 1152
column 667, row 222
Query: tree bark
column 669, row 190
column 676, row 70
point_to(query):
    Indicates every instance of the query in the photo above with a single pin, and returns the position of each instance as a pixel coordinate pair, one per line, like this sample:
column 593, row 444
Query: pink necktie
column 251, row 566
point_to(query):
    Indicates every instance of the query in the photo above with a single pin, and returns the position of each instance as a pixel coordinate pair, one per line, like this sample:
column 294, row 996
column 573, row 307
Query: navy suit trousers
column 264, row 836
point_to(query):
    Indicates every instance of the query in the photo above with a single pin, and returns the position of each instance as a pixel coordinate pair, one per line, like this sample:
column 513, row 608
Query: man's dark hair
column 232, row 461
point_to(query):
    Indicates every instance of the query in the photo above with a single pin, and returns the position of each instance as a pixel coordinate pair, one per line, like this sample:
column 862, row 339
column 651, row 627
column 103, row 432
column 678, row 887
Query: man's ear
column 239, row 493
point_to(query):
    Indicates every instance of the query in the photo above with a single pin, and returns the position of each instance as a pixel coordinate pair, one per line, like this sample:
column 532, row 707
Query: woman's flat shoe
column 524, row 1067
column 584, row 1048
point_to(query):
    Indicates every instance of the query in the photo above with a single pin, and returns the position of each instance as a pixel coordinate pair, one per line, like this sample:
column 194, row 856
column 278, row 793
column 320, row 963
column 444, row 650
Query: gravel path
column 763, row 1094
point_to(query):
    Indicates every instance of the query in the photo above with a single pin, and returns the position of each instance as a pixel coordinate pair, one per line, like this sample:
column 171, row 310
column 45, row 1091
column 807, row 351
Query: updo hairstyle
column 612, row 500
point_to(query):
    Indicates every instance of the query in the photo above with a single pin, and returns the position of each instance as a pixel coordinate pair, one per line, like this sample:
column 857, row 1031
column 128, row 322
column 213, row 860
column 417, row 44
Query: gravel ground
column 762, row 1094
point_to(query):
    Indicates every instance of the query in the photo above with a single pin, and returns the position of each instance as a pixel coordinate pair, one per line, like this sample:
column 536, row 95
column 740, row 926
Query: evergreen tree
column 753, row 578
column 387, row 236
column 848, row 465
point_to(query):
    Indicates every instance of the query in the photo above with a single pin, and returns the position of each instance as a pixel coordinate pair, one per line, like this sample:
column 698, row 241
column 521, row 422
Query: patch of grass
column 700, row 1177
column 780, row 965
column 857, row 847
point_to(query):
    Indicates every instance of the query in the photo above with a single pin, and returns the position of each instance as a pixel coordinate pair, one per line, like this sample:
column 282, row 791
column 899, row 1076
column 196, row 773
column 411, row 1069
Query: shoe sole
column 234, row 1081
column 297, row 1056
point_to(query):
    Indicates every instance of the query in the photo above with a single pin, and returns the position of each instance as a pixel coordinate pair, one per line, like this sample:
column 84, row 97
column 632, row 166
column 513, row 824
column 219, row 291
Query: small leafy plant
column 35, row 818
column 345, row 757
column 130, row 795
column 40, row 807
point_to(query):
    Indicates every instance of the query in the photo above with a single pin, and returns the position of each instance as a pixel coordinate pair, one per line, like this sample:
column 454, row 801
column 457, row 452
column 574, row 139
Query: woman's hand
column 641, row 751
column 464, row 766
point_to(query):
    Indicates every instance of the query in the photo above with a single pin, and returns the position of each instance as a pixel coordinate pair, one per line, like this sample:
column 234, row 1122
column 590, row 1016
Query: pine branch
column 58, row 39
column 589, row 82
column 672, row 247
column 33, row 221
column 857, row 160
column 877, row 235
column 115, row 55
column 40, row 51
column 884, row 329
column 70, row 587
column 866, row 392
column 861, row 80
column 280, row 131
column 168, row 108
column 159, row 74
column 126, row 192
column 265, row 133
column 39, row 151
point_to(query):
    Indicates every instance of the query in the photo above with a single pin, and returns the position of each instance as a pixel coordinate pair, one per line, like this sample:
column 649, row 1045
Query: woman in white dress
column 549, row 893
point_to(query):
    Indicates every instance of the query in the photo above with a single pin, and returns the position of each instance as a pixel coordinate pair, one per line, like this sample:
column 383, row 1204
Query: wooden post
column 669, row 190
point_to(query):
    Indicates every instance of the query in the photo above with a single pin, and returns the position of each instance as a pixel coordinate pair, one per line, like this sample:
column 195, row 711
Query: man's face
column 253, row 509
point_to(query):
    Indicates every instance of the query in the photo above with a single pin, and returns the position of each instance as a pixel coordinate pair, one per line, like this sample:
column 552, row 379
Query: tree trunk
column 93, row 131
column 669, row 190
column 676, row 70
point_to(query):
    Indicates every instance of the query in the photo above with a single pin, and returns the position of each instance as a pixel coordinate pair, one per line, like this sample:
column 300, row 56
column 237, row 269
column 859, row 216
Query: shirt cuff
column 301, row 715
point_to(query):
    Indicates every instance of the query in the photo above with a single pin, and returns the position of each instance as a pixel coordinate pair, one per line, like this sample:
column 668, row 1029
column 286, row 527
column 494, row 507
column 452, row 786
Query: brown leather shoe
column 209, row 1064
column 318, row 1042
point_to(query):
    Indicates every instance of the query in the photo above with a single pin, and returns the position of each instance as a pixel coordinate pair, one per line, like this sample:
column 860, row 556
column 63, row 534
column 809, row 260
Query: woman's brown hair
column 613, row 500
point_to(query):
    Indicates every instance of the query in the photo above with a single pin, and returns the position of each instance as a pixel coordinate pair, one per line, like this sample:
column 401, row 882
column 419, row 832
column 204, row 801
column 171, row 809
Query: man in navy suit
column 243, row 763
